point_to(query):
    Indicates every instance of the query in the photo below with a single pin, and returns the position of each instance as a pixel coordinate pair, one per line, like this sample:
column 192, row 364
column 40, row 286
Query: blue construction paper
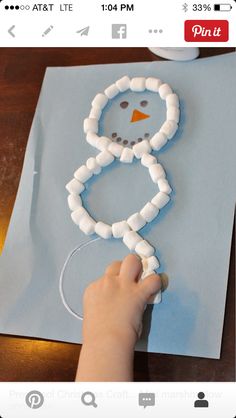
column 192, row 235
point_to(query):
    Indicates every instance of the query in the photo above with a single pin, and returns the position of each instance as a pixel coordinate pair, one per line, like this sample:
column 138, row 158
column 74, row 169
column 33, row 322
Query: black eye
column 124, row 105
column 144, row 103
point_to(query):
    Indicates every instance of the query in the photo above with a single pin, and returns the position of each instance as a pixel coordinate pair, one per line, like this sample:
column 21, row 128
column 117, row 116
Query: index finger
column 131, row 268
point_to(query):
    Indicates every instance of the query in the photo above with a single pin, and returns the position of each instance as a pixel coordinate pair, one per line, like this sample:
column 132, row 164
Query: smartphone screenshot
column 117, row 208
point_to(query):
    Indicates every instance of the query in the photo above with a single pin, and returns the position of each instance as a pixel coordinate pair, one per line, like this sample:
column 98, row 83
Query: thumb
column 150, row 285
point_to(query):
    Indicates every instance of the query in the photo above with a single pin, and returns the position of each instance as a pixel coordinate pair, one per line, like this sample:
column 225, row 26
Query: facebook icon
column 119, row 31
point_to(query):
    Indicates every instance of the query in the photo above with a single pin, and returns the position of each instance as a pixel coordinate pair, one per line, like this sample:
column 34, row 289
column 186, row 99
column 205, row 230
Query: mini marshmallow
column 103, row 230
column 149, row 212
column 95, row 113
column 160, row 200
column 173, row 113
column 131, row 239
column 155, row 299
column 172, row 100
column 156, row 172
column 93, row 166
column 104, row 158
column 87, row 225
column 83, row 174
column 112, row 91
column 115, row 149
column 147, row 160
column 74, row 202
column 136, row 221
column 152, row 263
column 100, row 100
column 103, row 143
column 127, row 155
column 92, row 139
column 119, row 229
column 138, row 84
column 79, row 214
column 142, row 148
column 144, row 249
column 153, row 84
column 144, row 264
column 164, row 186
column 123, row 84
column 75, row 187
column 147, row 273
column 164, row 91
column 158, row 141
column 90, row 125
column 169, row 128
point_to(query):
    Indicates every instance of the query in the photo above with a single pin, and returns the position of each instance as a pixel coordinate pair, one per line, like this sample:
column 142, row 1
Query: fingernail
column 144, row 263
column 164, row 281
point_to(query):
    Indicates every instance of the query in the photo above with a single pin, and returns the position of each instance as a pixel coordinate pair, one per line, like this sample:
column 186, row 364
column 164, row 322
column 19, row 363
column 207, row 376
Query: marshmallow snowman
column 114, row 148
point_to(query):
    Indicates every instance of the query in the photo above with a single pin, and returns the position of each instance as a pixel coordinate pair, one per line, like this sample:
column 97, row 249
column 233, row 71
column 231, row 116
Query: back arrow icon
column 10, row 31
column 84, row 31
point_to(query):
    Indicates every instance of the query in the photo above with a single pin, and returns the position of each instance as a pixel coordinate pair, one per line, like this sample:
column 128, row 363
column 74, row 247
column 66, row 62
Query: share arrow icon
column 84, row 31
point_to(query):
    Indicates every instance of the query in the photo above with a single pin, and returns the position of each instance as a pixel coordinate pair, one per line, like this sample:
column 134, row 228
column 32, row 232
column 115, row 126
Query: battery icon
column 222, row 7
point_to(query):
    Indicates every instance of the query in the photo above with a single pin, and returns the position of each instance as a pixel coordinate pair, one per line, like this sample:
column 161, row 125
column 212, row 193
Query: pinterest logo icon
column 34, row 399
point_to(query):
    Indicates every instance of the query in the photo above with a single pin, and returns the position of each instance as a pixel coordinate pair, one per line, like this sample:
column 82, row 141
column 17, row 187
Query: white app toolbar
column 102, row 399
column 116, row 23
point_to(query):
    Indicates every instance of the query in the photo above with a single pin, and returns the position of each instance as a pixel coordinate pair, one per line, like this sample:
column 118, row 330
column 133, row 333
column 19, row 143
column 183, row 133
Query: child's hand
column 115, row 303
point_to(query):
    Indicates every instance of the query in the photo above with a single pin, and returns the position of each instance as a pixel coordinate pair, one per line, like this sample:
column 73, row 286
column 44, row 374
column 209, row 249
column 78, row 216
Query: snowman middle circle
column 137, row 220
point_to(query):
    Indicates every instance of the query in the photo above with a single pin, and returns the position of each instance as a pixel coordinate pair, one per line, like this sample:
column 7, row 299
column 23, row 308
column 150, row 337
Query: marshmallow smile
column 115, row 137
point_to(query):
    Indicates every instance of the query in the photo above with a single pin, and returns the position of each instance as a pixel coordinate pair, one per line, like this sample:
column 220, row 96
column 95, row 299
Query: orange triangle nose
column 137, row 115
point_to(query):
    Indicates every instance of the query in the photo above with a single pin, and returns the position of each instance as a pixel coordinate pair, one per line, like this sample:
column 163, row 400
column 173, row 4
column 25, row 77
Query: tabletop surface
column 23, row 359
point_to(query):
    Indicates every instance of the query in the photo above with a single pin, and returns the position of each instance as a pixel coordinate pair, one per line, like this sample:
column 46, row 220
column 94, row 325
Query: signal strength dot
column 11, row 7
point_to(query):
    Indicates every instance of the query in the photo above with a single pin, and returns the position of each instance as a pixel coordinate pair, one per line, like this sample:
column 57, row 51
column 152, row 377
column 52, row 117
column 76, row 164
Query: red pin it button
column 206, row 31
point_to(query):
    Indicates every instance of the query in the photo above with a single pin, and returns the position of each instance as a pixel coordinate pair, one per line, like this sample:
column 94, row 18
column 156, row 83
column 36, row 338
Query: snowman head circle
column 115, row 143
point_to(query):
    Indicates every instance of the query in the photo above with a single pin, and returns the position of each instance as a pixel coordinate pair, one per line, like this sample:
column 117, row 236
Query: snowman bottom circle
column 71, row 306
column 71, row 289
